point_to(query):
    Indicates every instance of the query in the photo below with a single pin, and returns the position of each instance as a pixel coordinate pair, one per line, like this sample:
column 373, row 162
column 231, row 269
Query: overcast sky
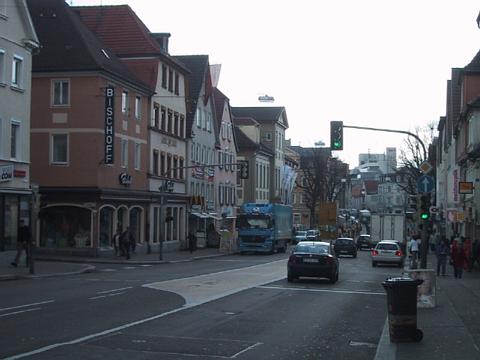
column 371, row 63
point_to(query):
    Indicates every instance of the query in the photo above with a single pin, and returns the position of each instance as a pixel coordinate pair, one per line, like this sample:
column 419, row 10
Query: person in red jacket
column 459, row 259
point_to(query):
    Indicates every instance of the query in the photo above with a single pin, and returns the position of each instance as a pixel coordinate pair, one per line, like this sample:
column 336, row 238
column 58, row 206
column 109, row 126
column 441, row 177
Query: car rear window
column 312, row 249
column 301, row 233
column 387, row 247
column 343, row 241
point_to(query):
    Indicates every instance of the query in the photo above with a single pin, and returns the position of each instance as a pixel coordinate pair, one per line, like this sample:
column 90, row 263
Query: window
column 170, row 80
column 155, row 162
column 204, row 119
column 138, row 153
column 209, row 122
column 164, row 76
column 199, row 117
column 175, row 123
column 170, row 120
column 169, row 165
column 163, row 120
column 220, row 194
column 176, row 83
column 180, row 171
column 175, row 167
column 1, row 138
column 182, row 126
column 124, row 102
column 61, row 92
column 220, row 158
column 15, row 140
column 268, row 136
column 2, row 66
column 156, row 116
column 162, row 164
column 124, row 154
column 192, row 151
column 17, row 71
column 3, row 7
column 59, row 148
column 138, row 107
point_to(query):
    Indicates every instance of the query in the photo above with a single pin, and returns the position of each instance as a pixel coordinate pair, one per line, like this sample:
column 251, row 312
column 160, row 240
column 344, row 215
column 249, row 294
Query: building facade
column 18, row 43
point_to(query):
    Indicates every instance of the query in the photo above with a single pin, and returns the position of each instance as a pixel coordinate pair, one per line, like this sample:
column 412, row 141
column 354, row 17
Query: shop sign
column 125, row 179
column 109, row 124
column 465, row 187
column 19, row 173
column 6, row 173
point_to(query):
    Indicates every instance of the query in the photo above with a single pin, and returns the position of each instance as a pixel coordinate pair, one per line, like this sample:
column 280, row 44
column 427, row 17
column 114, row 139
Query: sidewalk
column 54, row 265
column 451, row 330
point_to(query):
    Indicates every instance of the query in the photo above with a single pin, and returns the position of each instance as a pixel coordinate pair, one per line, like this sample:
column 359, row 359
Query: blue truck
column 264, row 228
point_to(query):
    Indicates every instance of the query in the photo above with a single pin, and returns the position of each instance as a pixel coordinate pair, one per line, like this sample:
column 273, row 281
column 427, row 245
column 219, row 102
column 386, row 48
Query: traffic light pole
column 394, row 131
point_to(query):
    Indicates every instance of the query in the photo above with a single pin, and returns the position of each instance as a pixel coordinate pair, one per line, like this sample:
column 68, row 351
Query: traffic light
column 336, row 135
column 425, row 207
column 243, row 169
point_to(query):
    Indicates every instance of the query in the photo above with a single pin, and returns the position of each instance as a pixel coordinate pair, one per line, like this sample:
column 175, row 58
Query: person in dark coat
column 192, row 242
column 125, row 243
column 23, row 243
column 116, row 242
column 442, row 250
column 459, row 259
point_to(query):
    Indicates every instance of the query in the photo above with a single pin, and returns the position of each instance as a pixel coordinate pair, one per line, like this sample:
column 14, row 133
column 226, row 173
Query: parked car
column 364, row 241
column 313, row 235
column 300, row 235
column 312, row 259
column 345, row 246
column 387, row 252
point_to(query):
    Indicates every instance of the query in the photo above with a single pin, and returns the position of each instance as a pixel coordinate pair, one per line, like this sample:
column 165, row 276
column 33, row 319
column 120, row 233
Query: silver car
column 387, row 252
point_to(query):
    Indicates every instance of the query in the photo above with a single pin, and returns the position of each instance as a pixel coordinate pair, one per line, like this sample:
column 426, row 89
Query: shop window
column 106, row 226
column 65, row 227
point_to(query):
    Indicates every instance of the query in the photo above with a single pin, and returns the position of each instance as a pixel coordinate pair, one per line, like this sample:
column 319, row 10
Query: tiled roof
column 219, row 101
column 68, row 45
column 243, row 141
column 245, row 121
column 198, row 66
column 120, row 28
column 474, row 65
column 261, row 114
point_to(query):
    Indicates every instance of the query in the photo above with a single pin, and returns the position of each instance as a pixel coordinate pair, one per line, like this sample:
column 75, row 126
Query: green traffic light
column 337, row 144
column 424, row 216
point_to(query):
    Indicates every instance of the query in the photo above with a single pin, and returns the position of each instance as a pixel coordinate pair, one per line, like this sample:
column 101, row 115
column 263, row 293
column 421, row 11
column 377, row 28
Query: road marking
column 22, row 306
column 19, row 312
column 339, row 291
column 360, row 343
column 245, row 350
column 109, row 291
column 107, row 270
column 128, row 267
column 145, row 265
column 263, row 276
column 104, row 296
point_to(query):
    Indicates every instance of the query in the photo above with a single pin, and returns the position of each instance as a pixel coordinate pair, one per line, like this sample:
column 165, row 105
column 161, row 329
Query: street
column 232, row 307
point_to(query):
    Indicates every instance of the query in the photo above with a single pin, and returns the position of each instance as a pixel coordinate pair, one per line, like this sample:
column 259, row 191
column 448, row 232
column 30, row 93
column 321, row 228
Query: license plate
column 343, row 251
column 308, row 260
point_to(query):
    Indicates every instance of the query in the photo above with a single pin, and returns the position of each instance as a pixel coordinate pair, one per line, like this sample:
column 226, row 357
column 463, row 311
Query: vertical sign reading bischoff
column 109, row 125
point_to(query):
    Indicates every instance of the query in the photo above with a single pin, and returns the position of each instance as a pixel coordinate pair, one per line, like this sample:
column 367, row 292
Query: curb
column 385, row 349
column 86, row 269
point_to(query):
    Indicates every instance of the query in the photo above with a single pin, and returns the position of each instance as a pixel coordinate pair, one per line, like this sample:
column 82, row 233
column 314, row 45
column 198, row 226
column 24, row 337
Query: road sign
column 425, row 184
column 426, row 167
column 434, row 210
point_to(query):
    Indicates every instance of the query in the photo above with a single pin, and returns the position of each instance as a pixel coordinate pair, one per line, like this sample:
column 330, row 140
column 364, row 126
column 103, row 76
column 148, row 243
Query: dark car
column 312, row 259
column 345, row 246
column 313, row 235
column 364, row 241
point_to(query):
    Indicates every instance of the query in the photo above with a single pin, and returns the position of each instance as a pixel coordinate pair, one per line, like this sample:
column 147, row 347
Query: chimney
column 162, row 40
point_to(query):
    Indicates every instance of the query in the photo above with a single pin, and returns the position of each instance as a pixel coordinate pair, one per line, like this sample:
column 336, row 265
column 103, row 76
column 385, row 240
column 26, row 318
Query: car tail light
column 292, row 259
column 329, row 259
column 374, row 252
column 398, row 253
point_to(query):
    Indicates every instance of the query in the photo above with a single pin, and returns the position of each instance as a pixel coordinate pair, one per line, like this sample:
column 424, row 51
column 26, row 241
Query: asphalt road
column 234, row 307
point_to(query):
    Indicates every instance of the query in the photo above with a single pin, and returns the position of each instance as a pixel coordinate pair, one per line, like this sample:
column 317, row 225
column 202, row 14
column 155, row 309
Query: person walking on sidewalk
column 442, row 251
column 192, row 242
column 458, row 259
column 125, row 243
column 116, row 241
column 23, row 243
column 413, row 249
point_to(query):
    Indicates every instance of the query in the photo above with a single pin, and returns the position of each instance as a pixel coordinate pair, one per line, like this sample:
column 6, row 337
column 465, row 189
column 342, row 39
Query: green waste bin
column 402, row 309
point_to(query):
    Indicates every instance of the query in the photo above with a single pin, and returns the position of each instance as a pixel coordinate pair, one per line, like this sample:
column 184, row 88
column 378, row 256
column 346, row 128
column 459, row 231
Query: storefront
column 14, row 206
column 87, row 227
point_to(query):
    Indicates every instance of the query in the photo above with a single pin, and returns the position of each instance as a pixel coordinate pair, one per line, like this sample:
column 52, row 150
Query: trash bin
column 402, row 309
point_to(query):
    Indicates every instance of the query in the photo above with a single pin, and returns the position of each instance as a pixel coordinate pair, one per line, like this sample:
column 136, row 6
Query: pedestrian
column 413, row 249
column 192, row 242
column 23, row 243
column 458, row 259
column 475, row 252
column 116, row 241
column 131, row 240
column 442, row 250
column 125, row 244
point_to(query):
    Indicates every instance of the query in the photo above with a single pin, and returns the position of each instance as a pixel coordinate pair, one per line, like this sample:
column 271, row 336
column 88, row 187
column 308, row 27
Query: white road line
column 246, row 349
column 128, row 267
column 19, row 312
column 110, row 291
column 104, row 296
column 363, row 292
column 108, row 270
column 27, row 305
